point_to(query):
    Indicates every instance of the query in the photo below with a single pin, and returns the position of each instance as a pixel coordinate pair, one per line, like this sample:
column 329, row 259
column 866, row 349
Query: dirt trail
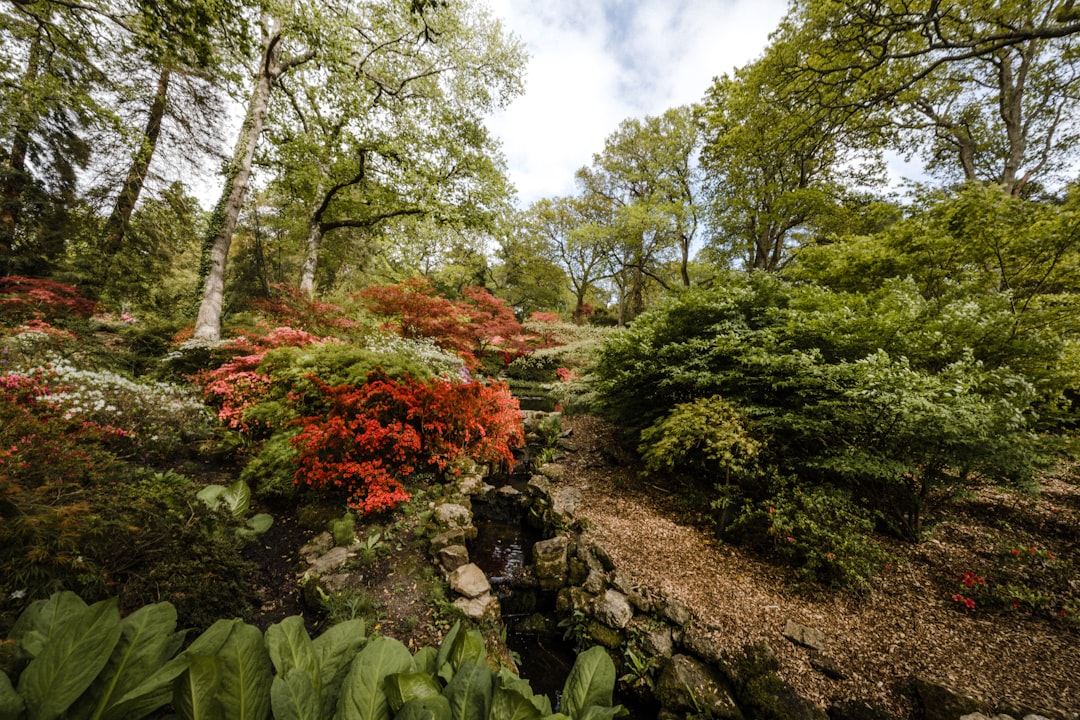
column 908, row 626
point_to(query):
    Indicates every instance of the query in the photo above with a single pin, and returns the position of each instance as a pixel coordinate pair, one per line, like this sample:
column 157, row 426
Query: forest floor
column 908, row 625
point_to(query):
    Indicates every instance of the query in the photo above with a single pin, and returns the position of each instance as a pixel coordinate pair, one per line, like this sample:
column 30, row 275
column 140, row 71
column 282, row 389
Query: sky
column 595, row 63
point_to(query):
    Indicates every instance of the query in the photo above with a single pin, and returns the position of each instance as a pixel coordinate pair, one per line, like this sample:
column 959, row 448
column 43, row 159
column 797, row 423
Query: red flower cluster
column 373, row 436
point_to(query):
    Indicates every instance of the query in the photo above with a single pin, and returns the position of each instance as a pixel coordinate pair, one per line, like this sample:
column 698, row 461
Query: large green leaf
column 335, row 650
column 291, row 647
column 293, row 697
column 591, row 682
column 403, row 687
column 428, row 708
column 43, row 618
column 211, row 495
column 510, row 681
column 74, row 655
column 470, row 692
column 442, row 660
column 464, row 646
column 147, row 641
column 512, row 704
column 195, row 692
column 425, row 659
column 362, row 696
column 237, row 499
column 12, row 706
column 595, row 712
column 246, row 674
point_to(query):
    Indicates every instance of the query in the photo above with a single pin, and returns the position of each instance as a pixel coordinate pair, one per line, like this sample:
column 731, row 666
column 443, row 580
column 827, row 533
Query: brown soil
column 907, row 626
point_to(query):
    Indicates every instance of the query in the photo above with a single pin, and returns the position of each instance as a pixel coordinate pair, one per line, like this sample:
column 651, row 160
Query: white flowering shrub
column 156, row 418
column 423, row 350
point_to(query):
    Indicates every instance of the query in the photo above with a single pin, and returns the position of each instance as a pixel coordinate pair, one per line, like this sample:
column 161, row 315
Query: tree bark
column 311, row 256
column 13, row 169
column 117, row 224
column 223, row 222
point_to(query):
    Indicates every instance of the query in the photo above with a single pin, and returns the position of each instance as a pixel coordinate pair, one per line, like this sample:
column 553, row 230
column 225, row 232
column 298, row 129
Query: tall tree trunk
column 223, row 222
column 13, row 169
column 117, row 224
column 311, row 257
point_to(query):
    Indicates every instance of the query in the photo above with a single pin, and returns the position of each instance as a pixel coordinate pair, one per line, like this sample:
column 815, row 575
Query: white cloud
column 594, row 64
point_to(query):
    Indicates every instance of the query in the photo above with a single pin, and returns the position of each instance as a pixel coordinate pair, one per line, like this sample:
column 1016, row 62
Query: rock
column 453, row 516
column 601, row 634
column 332, row 560
column 769, row 696
column 856, row 710
column 568, row 445
column 602, row 556
column 975, row 716
column 316, row 547
column 452, row 557
column 675, row 611
column 565, row 503
column 942, row 703
column 537, row 624
column 454, row 536
column 471, row 484
column 336, row 582
column 577, row 571
column 508, row 492
column 570, row 599
column 549, row 562
column 613, row 609
column 806, row 636
column 595, row 583
column 827, row 666
column 756, row 660
column 655, row 641
column 478, row 608
column 539, row 485
column 701, row 645
column 552, row 472
column 687, row 685
column 469, row 580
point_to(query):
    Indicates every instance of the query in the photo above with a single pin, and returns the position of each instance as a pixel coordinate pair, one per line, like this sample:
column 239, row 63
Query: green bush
column 817, row 530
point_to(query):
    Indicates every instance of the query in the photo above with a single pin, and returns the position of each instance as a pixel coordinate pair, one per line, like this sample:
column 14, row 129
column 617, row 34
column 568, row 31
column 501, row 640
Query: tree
column 563, row 224
column 986, row 92
column 646, row 183
column 772, row 159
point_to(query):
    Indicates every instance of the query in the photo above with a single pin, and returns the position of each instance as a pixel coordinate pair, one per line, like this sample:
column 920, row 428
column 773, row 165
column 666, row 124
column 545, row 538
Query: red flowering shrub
column 236, row 385
column 24, row 298
column 375, row 435
column 473, row 327
column 289, row 306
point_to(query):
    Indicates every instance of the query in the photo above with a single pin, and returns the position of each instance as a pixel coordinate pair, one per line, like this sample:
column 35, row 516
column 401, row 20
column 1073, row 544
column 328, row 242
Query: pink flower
column 1015, row 552
column 790, row 539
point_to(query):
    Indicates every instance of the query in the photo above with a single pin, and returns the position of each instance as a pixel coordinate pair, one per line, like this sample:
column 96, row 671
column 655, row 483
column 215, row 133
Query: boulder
column 471, row 484
column 454, row 536
column 549, row 562
column 483, row 607
column 332, row 560
column 687, row 685
column 675, row 611
column 943, row 703
column 454, row 516
column 654, row 640
column 613, row 609
column 565, row 503
column 452, row 557
column 802, row 635
column 601, row 634
column 856, row 710
column 704, row 647
column 469, row 580
column 316, row 546
column 552, row 472
column 769, row 696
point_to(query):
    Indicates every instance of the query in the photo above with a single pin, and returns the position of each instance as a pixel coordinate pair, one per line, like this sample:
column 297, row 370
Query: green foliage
column 80, row 661
column 817, row 530
column 235, row 499
column 1024, row 577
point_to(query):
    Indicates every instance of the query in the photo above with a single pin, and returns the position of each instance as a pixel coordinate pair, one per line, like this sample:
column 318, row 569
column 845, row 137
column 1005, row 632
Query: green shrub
column 818, row 531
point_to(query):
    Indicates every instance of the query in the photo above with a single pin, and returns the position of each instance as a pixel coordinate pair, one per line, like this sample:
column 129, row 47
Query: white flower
column 18, row 594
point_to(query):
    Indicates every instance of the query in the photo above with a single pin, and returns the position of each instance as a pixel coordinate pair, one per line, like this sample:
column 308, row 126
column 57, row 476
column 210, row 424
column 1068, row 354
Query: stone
column 770, row 696
column 595, row 583
column 549, row 562
column 613, row 609
column 601, row 634
column 704, row 647
column 483, row 607
column 975, row 716
column 539, row 485
column 943, row 703
column 570, row 599
column 687, row 685
column 454, row 536
column 537, row 624
column 471, row 484
column 621, row 582
column 317, row 546
column 857, row 710
column 601, row 554
column 755, row 660
column 577, row 571
column 469, row 580
column 674, row 611
column 452, row 515
column 827, row 666
column 332, row 560
column 552, row 472
column 806, row 636
column 508, row 492
column 655, row 640
column 565, row 503
column 452, row 557
column 336, row 582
